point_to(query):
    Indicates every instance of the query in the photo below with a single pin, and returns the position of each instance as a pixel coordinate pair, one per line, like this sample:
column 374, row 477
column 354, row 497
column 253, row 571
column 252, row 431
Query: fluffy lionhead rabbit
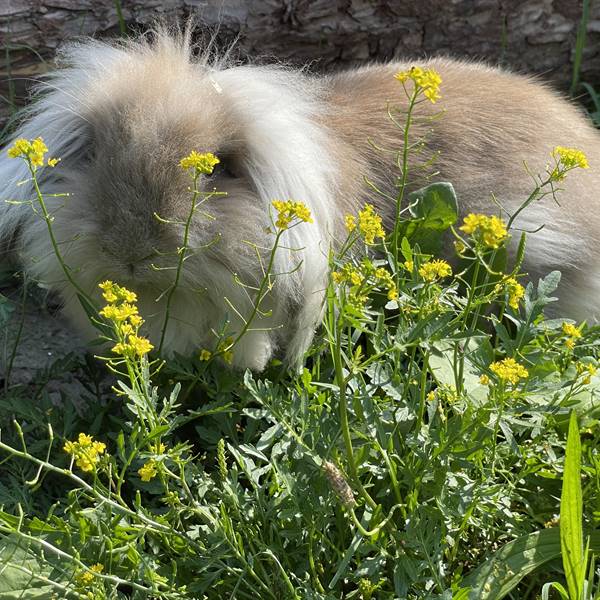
column 121, row 116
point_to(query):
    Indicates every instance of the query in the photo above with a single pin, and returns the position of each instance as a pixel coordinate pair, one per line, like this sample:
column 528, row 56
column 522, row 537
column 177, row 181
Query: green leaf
column 503, row 570
column 434, row 208
column 23, row 575
column 571, row 507
column 435, row 205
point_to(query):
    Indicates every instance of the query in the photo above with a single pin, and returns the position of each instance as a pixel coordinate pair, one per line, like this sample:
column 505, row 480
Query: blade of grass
column 579, row 46
column 571, row 509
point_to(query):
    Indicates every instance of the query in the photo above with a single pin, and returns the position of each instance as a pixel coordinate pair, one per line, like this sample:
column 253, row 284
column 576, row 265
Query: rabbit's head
column 121, row 117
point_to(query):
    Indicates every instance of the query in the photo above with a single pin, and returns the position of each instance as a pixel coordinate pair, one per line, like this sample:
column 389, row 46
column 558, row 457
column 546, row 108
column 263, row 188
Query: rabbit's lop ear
column 120, row 118
column 288, row 156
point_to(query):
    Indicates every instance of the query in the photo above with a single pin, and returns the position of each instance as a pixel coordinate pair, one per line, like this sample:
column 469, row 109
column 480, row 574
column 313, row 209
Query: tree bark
column 534, row 36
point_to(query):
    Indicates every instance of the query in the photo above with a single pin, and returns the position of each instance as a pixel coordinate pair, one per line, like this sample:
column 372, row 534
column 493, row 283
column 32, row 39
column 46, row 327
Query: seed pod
column 339, row 484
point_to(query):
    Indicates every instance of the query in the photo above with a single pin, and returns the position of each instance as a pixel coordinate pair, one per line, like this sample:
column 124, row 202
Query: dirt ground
column 38, row 345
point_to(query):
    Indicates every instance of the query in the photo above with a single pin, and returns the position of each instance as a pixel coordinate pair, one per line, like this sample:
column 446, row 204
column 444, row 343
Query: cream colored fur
column 121, row 117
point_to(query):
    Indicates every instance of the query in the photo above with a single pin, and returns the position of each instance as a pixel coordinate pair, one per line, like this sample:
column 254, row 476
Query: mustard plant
column 420, row 453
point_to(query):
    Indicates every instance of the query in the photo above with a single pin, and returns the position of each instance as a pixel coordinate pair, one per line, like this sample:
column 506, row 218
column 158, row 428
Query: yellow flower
column 409, row 265
column 226, row 349
column 139, row 345
column 205, row 354
column 38, row 149
column 348, row 274
column 569, row 343
column 201, row 162
column 491, row 231
column 126, row 329
column 430, row 396
column 85, row 451
column 484, row 380
column 426, row 80
column 86, row 578
column 435, row 269
column 515, row 292
column 509, row 370
column 459, row 247
column 119, row 313
column 113, row 293
column 570, row 158
column 33, row 151
column 158, row 448
column 21, row 147
column 148, row 471
column 135, row 346
column 385, row 279
column 570, row 330
column 370, row 225
column 52, row 162
column 289, row 210
column 350, row 222
column 587, row 369
column 136, row 320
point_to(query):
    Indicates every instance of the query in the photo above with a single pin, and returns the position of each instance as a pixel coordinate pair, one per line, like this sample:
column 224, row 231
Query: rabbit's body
column 121, row 118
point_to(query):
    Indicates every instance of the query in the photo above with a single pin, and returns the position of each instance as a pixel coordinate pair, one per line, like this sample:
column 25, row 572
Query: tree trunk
column 535, row 36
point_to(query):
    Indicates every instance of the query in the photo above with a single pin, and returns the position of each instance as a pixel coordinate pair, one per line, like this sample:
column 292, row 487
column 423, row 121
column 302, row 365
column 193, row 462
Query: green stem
column 376, row 530
column 261, row 291
column 48, row 219
column 422, row 395
column 182, row 255
column 404, row 179
column 335, row 346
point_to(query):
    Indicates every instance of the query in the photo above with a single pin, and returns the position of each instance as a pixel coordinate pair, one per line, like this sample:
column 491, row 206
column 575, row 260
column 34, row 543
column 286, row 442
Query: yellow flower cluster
column 85, row 451
column 490, row 231
column 350, row 222
column 360, row 278
column 33, row 151
column 204, row 162
column 112, row 293
column 573, row 334
column 385, row 279
column 515, row 292
column 587, row 370
column 148, row 471
column 570, row 158
column 435, row 269
column 289, row 210
column 86, row 578
column 348, row 274
column 570, row 330
column 509, row 370
column 124, row 315
column 224, row 349
column 370, row 224
column 426, row 80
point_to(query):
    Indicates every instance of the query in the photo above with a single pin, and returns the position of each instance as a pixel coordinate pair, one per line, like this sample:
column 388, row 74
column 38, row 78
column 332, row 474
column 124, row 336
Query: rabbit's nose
column 131, row 258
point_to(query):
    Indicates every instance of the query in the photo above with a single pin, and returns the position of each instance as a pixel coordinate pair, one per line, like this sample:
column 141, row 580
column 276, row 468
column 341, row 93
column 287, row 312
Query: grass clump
column 418, row 454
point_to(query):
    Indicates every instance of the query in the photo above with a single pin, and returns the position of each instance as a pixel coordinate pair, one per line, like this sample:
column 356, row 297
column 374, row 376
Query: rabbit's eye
column 226, row 168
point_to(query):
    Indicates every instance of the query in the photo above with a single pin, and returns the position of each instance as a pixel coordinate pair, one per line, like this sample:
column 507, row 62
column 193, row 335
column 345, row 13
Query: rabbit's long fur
column 122, row 116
